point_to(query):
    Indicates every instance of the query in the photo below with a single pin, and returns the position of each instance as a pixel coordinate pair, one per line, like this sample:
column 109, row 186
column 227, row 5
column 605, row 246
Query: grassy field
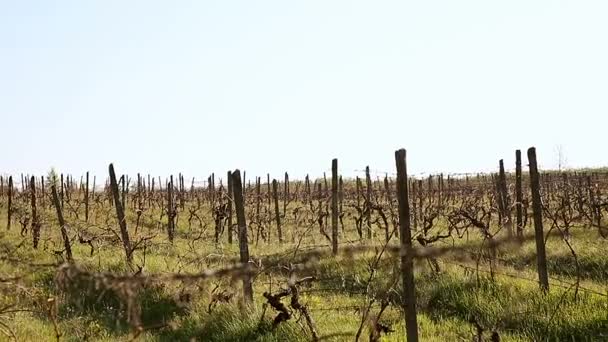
column 462, row 300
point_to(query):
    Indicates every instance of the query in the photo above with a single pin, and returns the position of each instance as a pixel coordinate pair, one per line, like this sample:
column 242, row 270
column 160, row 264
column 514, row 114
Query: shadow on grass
column 592, row 267
column 227, row 323
column 80, row 298
column 524, row 311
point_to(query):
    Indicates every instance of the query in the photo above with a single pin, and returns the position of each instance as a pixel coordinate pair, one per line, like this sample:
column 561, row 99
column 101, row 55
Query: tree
column 52, row 177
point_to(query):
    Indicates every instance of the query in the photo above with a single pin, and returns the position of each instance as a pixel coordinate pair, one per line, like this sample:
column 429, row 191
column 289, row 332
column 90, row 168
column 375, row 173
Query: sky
column 197, row 87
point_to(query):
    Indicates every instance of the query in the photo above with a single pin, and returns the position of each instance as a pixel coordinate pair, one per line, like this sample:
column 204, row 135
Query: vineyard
column 510, row 256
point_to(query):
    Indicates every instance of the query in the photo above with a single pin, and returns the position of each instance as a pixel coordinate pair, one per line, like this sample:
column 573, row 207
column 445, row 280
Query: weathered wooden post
column 407, row 263
column 170, row 211
column 518, row 195
column 277, row 214
column 537, row 209
column 229, row 204
column 120, row 214
column 258, row 198
column 182, row 193
column 268, row 190
column 42, row 191
column 368, row 202
column 10, row 203
column 64, row 233
column 334, row 206
column 213, row 187
column 86, row 199
column 285, row 194
column 62, row 190
column 35, row 220
column 237, row 188
column 307, row 188
column 123, row 182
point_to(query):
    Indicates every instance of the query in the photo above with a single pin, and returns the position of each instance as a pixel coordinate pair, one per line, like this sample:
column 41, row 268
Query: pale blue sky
column 274, row 86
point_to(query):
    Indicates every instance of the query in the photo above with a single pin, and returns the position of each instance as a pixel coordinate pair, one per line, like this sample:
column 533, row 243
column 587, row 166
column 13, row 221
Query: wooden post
column 277, row 214
column 35, row 220
column 518, row 194
column 120, row 214
column 237, row 187
column 269, row 192
column 170, row 211
column 307, row 188
column 86, row 199
column 334, row 206
column 64, row 233
column 258, row 198
column 368, row 202
column 285, row 194
column 42, row 191
column 407, row 264
column 10, row 203
column 213, row 187
column 62, row 194
column 229, row 204
column 537, row 208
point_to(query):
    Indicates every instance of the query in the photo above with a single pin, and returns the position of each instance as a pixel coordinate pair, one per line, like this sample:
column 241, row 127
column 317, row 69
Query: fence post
column 277, row 214
column 124, row 233
column 35, row 221
column 229, row 204
column 407, row 264
column 334, row 206
column 537, row 208
column 42, row 191
column 10, row 203
column 62, row 189
column 170, row 211
column 368, row 202
column 285, row 194
column 64, row 233
column 268, row 190
column 237, row 187
column 518, row 194
column 86, row 199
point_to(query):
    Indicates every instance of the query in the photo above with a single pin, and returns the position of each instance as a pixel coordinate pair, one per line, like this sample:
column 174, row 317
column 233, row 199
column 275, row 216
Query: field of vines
column 510, row 256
